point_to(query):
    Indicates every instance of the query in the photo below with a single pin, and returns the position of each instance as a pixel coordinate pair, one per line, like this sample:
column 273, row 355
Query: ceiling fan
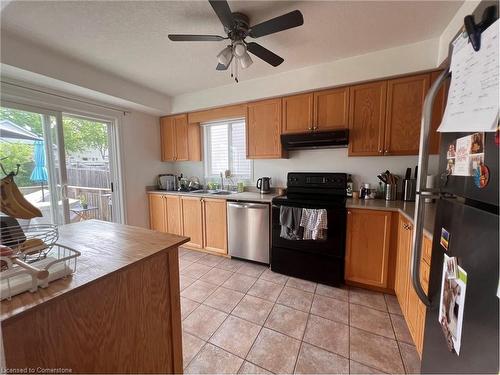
column 237, row 27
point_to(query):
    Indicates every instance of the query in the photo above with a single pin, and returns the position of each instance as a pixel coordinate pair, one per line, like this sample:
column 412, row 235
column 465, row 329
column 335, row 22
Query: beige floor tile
column 332, row 292
column 236, row 336
column 203, row 321
column 314, row 360
column 229, row 264
column 184, row 263
column 295, row 298
column 393, row 304
column 191, row 345
column 224, row 299
column 250, row 368
column 368, row 298
column 192, row 256
column 371, row 320
column 330, row 308
column 187, row 307
column 183, row 251
column 266, row 290
column 306, row 286
column 327, row 334
column 252, row 269
column 240, row 283
column 411, row 358
column 274, row 277
column 375, row 351
column 253, row 309
column 198, row 291
column 358, row 368
column 210, row 260
column 185, row 281
column 401, row 329
column 274, row 351
column 216, row 276
column 195, row 270
column 286, row 320
column 214, row 360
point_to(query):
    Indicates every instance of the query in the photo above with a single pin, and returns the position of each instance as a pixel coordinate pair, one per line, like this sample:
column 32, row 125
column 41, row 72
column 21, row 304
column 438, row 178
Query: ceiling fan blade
column 264, row 54
column 274, row 25
column 194, row 38
column 221, row 8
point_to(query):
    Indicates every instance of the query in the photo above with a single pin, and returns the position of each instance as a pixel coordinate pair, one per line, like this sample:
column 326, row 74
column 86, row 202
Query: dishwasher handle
column 261, row 206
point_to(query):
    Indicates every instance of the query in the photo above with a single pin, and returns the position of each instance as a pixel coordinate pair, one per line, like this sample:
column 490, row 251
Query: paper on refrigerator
column 473, row 95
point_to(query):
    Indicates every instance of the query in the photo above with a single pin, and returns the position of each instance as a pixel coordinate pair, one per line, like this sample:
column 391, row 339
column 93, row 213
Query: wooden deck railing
column 96, row 197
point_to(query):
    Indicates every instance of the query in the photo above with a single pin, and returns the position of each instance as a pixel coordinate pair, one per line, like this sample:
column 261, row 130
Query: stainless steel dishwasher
column 248, row 230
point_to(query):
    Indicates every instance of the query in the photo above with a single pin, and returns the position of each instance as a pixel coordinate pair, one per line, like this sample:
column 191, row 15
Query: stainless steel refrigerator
column 469, row 216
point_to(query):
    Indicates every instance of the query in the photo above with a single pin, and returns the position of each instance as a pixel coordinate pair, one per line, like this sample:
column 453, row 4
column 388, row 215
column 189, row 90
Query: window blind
column 225, row 148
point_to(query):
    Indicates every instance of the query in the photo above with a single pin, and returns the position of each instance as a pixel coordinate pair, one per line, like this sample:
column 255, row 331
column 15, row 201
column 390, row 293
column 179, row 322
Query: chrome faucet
column 221, row 181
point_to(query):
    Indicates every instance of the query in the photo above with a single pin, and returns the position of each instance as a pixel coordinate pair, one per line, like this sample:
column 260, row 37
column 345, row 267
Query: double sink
column 213, row 192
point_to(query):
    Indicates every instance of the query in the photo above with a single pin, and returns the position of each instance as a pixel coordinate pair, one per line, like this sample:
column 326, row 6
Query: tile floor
column 240, row 317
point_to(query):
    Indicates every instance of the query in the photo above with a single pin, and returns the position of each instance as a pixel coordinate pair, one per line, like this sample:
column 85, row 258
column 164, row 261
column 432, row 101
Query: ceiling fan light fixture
column 245, row 60
column 239, row 49
column 224, row 57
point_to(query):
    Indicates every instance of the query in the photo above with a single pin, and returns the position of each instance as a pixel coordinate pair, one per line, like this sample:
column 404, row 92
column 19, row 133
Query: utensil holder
column 391, row 192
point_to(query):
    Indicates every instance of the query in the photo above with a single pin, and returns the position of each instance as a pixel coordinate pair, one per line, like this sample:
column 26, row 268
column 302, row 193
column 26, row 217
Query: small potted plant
column 84, row 202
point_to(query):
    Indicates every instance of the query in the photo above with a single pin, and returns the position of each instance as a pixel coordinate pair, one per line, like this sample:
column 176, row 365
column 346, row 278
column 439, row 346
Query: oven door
column 334, row 243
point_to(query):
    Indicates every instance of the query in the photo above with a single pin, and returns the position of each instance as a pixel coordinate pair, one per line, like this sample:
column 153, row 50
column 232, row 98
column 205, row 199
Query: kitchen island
column 120, row 311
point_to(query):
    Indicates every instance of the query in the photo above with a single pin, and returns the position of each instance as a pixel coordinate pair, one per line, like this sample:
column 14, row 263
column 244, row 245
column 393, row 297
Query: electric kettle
column 264, row 185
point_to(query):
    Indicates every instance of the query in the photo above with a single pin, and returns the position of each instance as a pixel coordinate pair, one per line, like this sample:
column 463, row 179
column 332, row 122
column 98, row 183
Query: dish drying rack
column 37, row 259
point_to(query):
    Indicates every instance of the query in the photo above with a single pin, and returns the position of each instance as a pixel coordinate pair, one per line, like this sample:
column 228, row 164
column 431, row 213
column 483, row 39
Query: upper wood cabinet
column 179, row 140
column 264, row 130
column 298, row 113
column 405, row 99
column 331, row 109
column 168, row 140
column 157, row 212
column 367, row 118
column 368, row 245
column 437, row 115
column 192, row 220
column 215, row 225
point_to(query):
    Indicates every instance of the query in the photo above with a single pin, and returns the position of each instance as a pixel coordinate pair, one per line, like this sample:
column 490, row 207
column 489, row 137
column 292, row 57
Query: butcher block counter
column 120, row 311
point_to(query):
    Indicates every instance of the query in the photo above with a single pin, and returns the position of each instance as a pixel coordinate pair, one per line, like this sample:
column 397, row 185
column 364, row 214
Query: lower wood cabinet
column 413, row 308
column 157, row 210
column 192, row 220
column 173, row 213
column 368, row 246
column 204, row 220
column 215, row 225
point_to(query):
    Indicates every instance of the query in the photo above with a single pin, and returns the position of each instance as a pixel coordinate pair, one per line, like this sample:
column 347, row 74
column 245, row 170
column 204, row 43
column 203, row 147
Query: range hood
column 312, row 140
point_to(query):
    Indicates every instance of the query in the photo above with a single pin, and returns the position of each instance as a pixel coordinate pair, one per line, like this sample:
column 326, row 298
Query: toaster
column 167, row 182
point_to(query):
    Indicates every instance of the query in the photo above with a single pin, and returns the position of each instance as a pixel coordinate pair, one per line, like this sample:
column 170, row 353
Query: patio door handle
column 112, row 188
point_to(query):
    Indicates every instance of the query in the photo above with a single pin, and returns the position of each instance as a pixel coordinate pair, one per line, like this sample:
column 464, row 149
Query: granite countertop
column 405, row 208
column 247, row 196
column 105, row 247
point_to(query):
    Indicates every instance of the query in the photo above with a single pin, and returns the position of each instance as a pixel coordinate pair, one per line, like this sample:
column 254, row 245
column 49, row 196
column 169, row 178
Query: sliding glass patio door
column 67, row 163
column 31, row 146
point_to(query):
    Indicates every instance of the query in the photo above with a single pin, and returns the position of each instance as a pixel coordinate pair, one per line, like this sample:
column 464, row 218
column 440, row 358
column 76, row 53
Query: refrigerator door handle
column 423, row 161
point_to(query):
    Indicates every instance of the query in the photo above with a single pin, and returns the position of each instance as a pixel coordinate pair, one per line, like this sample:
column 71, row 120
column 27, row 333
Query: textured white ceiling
column 130, row 38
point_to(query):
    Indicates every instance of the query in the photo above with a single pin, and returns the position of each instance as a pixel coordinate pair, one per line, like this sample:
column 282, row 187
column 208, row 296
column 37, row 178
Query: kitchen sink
column 213, row 192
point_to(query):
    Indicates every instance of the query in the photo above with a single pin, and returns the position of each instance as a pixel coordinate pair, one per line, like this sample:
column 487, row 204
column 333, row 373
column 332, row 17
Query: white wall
column 389, row 62
column 363, row 169
column 140, row 163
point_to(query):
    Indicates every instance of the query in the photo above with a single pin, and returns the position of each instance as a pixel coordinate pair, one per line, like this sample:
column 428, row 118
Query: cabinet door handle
column 386, row 152
column 380, row 151
column 348, row 212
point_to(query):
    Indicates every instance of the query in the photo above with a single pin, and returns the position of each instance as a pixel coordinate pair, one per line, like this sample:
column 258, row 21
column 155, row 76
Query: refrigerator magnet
column 445, row 239
column 481, row 175
column 451, row 306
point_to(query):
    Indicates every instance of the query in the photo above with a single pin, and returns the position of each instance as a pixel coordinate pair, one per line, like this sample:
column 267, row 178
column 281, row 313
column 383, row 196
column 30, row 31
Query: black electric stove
column 316, row 260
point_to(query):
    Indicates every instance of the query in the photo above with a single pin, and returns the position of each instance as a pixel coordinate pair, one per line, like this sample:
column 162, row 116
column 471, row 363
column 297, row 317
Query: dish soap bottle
column 350, row 186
